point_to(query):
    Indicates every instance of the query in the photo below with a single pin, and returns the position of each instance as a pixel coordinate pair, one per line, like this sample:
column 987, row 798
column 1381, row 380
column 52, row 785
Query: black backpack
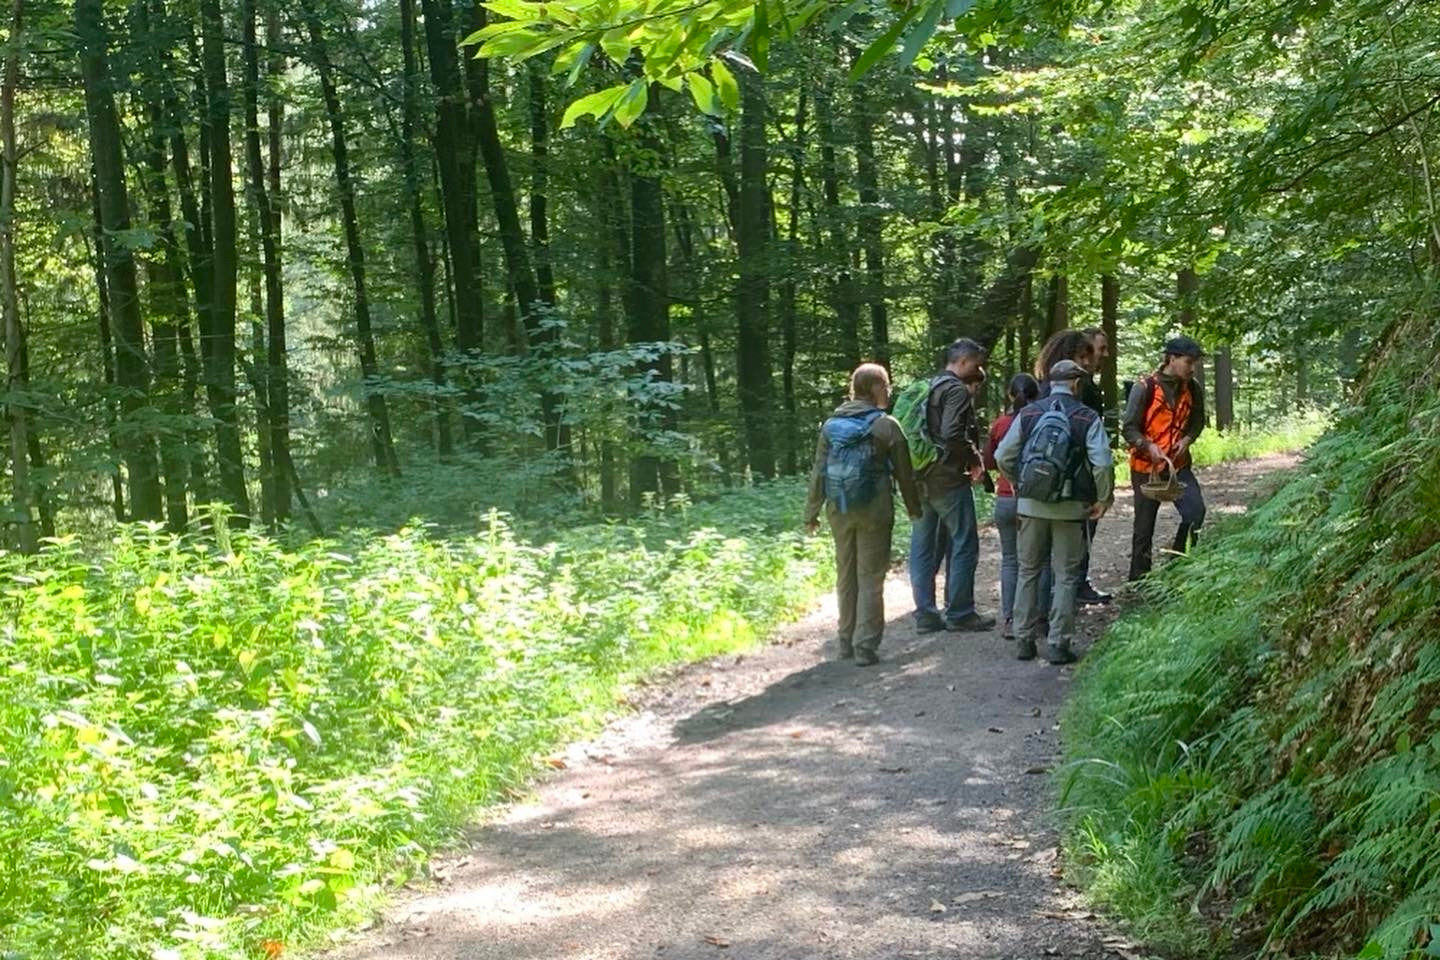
column 1053, row 458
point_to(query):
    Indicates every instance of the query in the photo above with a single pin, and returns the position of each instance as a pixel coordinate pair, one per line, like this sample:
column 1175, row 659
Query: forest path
column 787, row 805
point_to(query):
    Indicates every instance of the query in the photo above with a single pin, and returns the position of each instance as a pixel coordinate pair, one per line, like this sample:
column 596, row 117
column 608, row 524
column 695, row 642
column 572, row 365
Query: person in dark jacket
column 1164, row 416
column 862, row 533
column 949, row 509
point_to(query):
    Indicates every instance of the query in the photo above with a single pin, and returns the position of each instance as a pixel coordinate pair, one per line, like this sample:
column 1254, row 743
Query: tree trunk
column 788, row 293
column 1058, row 305
column 424, row 262
column 382, row 444
column 132, row 372
column 277, row 379
column 220, row 358
column 1110, row 323
column 752, row 295
column 167, row 294
column 844, row 294
column 647, row 304
column 1224, row 390
column 540, row 182
column 456, row 157
column 541, row 337
column 107, row 349
column 872, row 225
column 266, row 211
column 20, row 493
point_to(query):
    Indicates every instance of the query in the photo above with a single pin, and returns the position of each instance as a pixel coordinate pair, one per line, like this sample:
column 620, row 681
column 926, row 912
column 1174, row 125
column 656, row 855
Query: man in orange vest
column 1164, row 416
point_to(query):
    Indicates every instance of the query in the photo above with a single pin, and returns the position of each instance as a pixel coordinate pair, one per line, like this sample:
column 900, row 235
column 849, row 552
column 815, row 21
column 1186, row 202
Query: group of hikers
column 1055, row 480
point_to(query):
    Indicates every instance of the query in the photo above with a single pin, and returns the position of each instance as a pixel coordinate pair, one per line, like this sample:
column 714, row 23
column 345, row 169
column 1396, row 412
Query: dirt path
column 785, row 805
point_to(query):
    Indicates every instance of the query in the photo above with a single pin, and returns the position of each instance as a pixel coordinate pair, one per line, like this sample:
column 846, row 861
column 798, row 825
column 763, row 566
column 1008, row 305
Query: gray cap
column 1067, row 370
column 1183, row 346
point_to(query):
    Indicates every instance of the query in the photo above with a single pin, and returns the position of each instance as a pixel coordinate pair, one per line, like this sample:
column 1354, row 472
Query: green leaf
column 883, row 46
column 574, row 59
column 595, row 105
column 725, row 83
column 921, row 33
column 760, row 37
column 514, row 9
column 632, row 104
column 702, row 91
column 956, row 8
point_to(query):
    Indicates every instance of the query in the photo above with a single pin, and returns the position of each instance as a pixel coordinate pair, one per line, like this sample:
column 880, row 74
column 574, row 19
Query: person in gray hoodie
column 1052, row 530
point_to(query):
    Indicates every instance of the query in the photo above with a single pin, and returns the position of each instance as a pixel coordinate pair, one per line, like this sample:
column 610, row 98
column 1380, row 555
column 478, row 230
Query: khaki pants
column 862, row 559
column 1060, row 545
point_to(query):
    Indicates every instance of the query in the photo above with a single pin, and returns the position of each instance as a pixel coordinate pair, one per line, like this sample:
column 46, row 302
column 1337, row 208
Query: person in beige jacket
column 860, row 457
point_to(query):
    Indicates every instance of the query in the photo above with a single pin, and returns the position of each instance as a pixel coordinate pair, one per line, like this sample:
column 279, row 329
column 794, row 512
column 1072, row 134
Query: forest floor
column 785, row 804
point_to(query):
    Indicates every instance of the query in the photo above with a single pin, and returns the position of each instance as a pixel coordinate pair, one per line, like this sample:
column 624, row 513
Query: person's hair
column 1065, row 345
column 1023, row 390
column 865, row 379
column 963, row 348
column 1092, row 332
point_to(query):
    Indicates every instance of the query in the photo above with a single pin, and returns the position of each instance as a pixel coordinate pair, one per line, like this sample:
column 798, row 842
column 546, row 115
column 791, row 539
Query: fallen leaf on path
column 796, row 734
column 720, row 942
column 1035, row 712
column 1032, row 771
column 936, row 906
column 1048, row 855
column 996, row 730
column 894, row 769
column 557, row 763
column 976, row 896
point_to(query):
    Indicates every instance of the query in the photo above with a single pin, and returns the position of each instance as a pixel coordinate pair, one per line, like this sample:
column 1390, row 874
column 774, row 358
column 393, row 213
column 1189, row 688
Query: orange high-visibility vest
column 1163, row 424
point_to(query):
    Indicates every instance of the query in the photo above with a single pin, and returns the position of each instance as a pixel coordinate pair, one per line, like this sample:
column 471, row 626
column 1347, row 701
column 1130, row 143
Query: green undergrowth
column 223, row 750
column 1254, row 751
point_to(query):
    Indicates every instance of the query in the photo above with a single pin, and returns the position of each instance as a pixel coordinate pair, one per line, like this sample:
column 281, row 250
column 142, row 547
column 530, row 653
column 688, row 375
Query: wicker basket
column 1163, row 486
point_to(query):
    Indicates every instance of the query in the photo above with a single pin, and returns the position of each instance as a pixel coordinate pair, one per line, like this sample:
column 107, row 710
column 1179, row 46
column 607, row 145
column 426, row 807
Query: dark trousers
column 1191, row 506
column 1090, row 526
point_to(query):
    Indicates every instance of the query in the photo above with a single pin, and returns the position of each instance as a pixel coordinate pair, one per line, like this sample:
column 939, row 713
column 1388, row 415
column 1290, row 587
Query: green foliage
column 205, row 746
column 1259, row 743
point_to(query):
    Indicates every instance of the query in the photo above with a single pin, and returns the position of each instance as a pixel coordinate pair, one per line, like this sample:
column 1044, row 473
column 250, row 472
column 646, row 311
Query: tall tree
column 752, row 293
column 264, row 213
column 456, row 159
column 1110, row 323
column 277, row 376
column 382, row 443
column 424, row 261
column 223, row 258
column 872, row 225
column 132, row 372
column 846, row 299
column 20, row 493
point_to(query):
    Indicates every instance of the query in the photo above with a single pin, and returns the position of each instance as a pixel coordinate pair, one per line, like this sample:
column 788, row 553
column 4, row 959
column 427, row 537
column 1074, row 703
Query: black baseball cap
column 1184, row 347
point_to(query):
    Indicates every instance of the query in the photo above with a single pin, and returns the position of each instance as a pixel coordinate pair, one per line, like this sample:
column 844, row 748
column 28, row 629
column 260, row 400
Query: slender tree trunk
column 540, row 182
column 1026, row 318
column 167, row 295
column 846, row 299
column 455, row 153
column 1110, row 323
column 107, row 349
column 788, row 294
column 265, row 211
column 424, row 262
column 541, row 336
column 872, row 225
column 1224, row 389
column 277, row 379
column 381, row 442
column 647, row 303
column 752, row 295
column 132, row 372
column 20, row 493
column 1058, row 304
column 220, row 367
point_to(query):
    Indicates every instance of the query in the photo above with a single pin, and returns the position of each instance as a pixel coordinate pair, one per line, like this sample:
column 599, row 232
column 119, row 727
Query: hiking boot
column 1025, row 650
column 971, row 623
column 928, row 623
column 866, row 658
column 845, row 651
column 1060, row 655
column 1091, row 597
column 1007, row 632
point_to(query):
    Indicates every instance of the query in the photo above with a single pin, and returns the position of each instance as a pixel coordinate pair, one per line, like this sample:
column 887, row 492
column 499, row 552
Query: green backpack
column 910, row 410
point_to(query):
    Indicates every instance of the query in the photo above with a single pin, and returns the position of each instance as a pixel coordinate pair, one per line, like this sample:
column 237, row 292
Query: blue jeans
column 948, row 516
column 1007, row 524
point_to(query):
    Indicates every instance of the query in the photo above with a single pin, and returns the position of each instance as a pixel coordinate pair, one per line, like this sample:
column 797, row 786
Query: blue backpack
column 853, row 471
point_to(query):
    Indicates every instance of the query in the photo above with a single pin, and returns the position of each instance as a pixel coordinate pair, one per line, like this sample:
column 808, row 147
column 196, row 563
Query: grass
column 1252, row 752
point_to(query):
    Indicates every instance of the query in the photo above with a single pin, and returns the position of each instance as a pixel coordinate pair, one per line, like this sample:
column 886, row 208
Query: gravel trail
column 787, row 805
